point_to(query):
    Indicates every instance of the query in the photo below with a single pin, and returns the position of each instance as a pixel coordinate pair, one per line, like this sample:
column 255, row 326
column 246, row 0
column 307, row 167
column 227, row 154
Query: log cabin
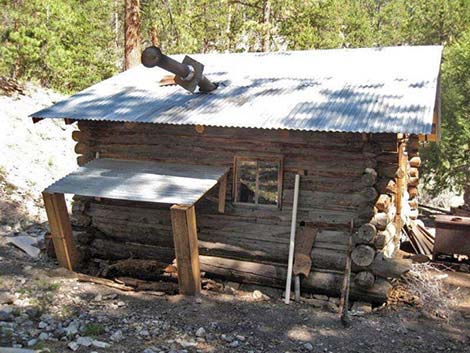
column 211, row 176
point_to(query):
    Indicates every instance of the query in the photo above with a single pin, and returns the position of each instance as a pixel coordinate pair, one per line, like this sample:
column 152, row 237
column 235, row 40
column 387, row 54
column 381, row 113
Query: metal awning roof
column 140, row 181
column 372, row 90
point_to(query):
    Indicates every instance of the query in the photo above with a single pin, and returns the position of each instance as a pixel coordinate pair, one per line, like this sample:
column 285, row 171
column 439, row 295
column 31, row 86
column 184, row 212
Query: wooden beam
column 61, row 230
column 222, row 193
column 183, row 220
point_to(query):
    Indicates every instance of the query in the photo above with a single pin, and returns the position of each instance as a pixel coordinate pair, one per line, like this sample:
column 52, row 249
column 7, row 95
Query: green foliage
column 64, row 44
column 94, row 330
column 447, row 164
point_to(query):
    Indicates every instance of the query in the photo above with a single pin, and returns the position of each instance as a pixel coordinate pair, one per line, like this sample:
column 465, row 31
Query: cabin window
column 258, row 181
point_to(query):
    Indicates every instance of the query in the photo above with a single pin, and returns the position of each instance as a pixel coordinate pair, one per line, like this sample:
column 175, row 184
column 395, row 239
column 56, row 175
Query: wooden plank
column 222, row 193
column 61, row 229
column 183, row 220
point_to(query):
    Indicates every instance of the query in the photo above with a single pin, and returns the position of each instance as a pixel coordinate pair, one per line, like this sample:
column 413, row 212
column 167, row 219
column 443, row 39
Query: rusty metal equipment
column 452, row 235
column 188, row 74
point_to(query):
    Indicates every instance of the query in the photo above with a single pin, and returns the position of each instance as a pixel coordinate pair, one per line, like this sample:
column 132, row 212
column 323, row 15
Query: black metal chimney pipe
column 153, row 56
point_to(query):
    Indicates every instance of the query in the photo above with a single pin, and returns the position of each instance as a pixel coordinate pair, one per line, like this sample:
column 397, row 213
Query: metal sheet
column 373, row 90
column 140, row 181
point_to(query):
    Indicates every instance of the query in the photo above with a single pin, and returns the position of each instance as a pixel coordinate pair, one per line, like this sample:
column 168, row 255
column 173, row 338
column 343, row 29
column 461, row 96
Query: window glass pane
column 268, row 182
column 246, row 181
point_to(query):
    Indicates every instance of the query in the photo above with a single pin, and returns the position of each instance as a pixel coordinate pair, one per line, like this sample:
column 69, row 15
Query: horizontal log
column 365, row 234
column 275, row 276
column 413, row 181
column 325, row 259
column 364, row 279
column 380, row 220
column 414, row 172
column 383, row 203
column 412, row 192
column 369, row 177
column 363, row 255
column 415, row 162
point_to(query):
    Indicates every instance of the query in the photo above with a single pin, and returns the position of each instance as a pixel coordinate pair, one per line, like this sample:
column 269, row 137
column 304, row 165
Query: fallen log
column 139, row 285
column 103, row 281
column 137, row 268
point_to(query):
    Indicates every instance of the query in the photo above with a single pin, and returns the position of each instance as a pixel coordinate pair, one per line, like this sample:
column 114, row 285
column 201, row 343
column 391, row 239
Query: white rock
column 117, row 336
column 100, row 344
column 43, row 336
column 240, row 338
column 42, row 324
column 73, row 346
column 201, row 332
column 234, row 344
column 72, row 329
column 85, row 341
column 32, row 342
column 186, row 344
column 308, row 346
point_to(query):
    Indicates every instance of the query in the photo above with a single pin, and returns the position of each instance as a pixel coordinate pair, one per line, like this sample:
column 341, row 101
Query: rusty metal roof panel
column 391, row 89
column 140, row 181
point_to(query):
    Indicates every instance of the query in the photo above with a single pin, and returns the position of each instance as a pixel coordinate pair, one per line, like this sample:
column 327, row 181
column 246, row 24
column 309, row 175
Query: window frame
column 258, row 158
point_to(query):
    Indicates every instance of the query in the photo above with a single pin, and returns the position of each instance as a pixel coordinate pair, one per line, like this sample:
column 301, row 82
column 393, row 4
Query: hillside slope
column 32, row 156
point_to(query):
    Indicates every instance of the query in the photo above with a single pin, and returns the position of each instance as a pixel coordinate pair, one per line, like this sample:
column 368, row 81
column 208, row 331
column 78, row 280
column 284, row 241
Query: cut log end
column 363, row 255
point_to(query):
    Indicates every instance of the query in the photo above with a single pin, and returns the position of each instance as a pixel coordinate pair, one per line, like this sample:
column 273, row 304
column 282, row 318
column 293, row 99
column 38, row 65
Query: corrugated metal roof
column 140, row 181
column 374, row 90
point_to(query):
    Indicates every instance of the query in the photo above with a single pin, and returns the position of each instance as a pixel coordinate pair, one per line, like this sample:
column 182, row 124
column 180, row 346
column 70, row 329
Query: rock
column 240, row 338
column 72, row 329
column 361, row 308
column 43, row 336
column 308, row 346
column 226, row 338
column 32, row 342
column 117, row 336
column 148, row 350
column 100, row 344
column 73, row 346
column 332, row 307
column 186, row 344
column 234, row 344
column 84, row 341
column 201, row 332
column 144, row 333
column 258, row 295
column 121, row 304
column 6, row 298
column 42, row 324
column 98, row 298
column 6, row 315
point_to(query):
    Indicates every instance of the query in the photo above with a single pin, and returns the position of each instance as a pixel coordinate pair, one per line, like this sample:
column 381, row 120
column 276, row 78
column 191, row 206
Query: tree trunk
column 132, row 34
column 266, row 30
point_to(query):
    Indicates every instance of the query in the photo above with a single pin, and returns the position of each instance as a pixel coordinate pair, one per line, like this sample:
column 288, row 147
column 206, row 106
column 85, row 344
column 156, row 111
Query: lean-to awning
column 176, row 184
column 140, row 181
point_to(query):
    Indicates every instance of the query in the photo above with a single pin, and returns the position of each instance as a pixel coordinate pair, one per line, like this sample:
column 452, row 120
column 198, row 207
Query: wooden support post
column 183, row 220
column 61, row 230
column 222, row 193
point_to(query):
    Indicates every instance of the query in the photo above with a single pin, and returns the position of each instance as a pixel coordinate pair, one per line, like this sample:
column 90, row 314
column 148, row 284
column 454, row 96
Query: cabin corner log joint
column 272, row 119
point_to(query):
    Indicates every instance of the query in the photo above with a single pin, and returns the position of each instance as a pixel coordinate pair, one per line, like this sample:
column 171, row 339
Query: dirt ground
column 46, row 308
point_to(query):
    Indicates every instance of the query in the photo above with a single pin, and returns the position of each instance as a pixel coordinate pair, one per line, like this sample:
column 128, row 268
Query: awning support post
column 183, row 220
column 61, row 230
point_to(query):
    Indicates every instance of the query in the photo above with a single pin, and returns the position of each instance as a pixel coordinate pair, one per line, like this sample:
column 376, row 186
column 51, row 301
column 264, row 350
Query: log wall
column 345, row 174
